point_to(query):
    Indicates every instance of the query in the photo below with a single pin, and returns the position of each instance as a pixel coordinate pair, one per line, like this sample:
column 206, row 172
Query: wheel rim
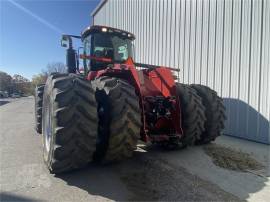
column 48, row 126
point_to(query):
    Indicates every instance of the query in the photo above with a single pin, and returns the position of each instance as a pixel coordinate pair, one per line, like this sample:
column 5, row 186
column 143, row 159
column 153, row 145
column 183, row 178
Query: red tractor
column 98, row 113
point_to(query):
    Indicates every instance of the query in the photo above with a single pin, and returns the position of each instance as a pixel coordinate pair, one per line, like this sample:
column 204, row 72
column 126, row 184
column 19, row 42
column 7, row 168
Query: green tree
column 22, row 85
column 39, row 79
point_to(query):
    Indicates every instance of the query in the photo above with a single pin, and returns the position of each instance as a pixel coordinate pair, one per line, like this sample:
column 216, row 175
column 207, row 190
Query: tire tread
column 76, row 122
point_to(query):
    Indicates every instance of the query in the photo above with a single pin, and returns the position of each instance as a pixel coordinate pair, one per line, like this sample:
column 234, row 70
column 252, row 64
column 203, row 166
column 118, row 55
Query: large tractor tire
column 215, row 113
column 39, row 90
column 69, row 122
column 119, row 119
column 192, row 114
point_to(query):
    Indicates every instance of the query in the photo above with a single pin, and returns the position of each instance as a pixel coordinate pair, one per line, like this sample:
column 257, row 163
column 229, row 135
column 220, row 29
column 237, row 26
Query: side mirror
column 64, row 41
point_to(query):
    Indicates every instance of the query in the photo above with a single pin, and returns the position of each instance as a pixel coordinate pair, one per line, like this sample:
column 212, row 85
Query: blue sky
column 28, row 42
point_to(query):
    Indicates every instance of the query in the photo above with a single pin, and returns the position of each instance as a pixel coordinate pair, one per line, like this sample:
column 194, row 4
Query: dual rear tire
column 214, row 113
column 119, row 119
column 192, row 114
column 69, row 123
column 202, row 112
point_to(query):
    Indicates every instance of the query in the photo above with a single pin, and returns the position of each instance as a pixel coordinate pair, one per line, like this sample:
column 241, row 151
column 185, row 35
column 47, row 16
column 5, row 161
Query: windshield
column 107, row 45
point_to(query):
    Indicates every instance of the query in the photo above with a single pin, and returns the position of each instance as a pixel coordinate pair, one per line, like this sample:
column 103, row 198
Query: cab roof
column 106, row 29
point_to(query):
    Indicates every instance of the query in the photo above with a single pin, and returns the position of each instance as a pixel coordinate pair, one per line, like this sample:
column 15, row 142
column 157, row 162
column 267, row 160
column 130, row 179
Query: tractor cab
column 105, row 45
column 102, row 46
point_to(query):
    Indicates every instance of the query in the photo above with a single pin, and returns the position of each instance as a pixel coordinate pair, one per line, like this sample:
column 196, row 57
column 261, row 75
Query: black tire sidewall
column 107, row 87
column 69, row 103
column 39, row 91
column 189, row 99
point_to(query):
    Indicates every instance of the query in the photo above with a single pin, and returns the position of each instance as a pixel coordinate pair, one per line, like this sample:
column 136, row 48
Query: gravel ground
column 147, row 176
column 150, row 178
column 232, row 159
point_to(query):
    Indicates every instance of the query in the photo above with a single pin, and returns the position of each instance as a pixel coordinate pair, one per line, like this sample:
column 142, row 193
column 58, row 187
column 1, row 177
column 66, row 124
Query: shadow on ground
column 96, row 180
column 3, row 102
column 146, row 177
column 12, row 197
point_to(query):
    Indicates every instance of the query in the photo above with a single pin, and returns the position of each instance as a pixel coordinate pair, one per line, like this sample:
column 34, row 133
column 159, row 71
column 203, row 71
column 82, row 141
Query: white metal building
column 224, row 44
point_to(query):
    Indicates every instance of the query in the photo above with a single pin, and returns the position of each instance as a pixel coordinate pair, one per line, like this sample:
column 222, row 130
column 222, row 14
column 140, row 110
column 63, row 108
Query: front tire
column 69, row 122
column 120, row 119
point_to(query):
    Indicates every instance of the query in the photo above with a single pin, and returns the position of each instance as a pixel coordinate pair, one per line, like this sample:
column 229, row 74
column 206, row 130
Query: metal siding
column 254, row 69
column 160, row 32
column 220, row 43
column 154, row 31
column 139, row 33
column 187, row 41
column 211, row 44
column 177, row 36
column 244, row 65
column 264, row 96
column 265, row 73
column 197, row 51
column 219, row 46
column 182, row 39
column 135, row 25
column 147, row 32
column 111, row 13
column 151, row 32
column 192, row 41
column 234, row 63
column 137, row 41
column 205, row 40
column 168, row 21
column 173, row 36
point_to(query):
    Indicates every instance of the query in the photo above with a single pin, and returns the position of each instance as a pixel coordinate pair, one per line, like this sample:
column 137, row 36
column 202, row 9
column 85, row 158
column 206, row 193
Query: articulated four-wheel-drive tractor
column 98, row 113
